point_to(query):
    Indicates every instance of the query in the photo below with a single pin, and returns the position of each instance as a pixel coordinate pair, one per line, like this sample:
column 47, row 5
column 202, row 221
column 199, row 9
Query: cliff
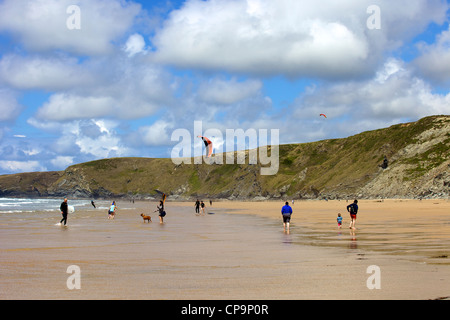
column 418, row 156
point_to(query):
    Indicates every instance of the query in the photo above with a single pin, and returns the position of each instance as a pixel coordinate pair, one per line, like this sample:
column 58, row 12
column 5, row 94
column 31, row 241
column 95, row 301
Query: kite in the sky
column 163, row 195
column 322, row 115
column 208, row 145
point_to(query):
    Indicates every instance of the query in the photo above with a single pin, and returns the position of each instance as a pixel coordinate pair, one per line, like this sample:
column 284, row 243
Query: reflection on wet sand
column 353, row 243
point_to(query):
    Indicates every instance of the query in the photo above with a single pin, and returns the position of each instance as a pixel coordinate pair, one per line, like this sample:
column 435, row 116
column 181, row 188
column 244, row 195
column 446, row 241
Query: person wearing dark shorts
column 202, row 204
column 286, row 212
column 162, row 213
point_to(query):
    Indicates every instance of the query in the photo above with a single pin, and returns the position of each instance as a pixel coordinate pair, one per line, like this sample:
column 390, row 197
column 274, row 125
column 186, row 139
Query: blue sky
column 117, row 77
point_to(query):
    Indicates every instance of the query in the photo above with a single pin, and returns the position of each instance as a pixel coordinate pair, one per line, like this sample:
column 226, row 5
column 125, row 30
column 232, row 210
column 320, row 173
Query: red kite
column 208, row 145
column 322, row 115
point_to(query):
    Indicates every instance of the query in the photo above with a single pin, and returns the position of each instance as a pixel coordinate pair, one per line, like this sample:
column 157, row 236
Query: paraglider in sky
column 208, row 145
column 322, row 115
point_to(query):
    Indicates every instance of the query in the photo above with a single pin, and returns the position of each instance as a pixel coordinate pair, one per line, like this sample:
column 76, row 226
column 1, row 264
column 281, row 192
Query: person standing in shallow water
column 162, row 212
column 64, row 211
column 286, row 212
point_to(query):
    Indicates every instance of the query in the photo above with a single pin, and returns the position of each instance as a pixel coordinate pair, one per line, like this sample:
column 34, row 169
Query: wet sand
column 418, row 228
column 238, row 250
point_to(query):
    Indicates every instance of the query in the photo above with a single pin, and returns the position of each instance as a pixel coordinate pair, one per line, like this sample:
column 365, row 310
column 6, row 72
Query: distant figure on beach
column 339, row 220
column 112, row 210
column 353, row 210
column 197, row 206
column 202, row 204
column 286, row 212
column 64, row 211
column 162, row 213
column 210, row 202
column 93, row 204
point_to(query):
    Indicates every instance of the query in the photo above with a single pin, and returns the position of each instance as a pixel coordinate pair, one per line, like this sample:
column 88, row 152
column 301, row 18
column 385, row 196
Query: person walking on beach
column 202, row 204
column 64, row 211
column 339, row 220
column 353, row 210
column 112, row 210
column 286, row 212
column 197, row 206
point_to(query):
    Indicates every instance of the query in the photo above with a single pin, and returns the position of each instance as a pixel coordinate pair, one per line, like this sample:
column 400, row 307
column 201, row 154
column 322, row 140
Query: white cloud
column 62, row 162
column 21, row 166
column 122, row 90
column 62, row 107
column 325, row 39
column 155, row 135
column 121, row 105
column 278, row 39
column 434, row 63
column 100, row 142
column 53, row 73
column 219, row 102
column 31, row 152
column 41, row 24
column 9, row 107
column 219, row 91
column 135, row 44
column 106, row 146
column 392, row 95
column 83, row 140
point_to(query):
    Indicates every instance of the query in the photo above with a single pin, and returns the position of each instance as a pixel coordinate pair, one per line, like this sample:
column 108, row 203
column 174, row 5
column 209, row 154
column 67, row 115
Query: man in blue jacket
column 286, row 212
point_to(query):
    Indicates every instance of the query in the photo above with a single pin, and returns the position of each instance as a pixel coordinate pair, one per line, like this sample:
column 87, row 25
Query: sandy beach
column 237, row 250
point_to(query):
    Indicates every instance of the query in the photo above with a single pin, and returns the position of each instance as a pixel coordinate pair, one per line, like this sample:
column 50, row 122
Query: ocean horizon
column 28, row 205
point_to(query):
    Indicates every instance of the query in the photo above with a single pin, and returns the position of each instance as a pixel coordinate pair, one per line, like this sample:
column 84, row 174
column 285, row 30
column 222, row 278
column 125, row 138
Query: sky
column 82, row 80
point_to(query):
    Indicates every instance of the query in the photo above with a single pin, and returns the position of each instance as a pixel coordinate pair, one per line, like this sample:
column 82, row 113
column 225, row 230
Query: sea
column 23, row 205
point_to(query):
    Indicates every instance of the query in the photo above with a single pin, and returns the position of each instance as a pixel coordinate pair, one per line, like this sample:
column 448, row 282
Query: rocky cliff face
column 34, row 184
column 420, row 169
column 418, row 157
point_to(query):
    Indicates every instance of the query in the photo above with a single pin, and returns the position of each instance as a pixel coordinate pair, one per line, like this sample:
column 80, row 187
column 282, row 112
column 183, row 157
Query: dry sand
column 239, row 252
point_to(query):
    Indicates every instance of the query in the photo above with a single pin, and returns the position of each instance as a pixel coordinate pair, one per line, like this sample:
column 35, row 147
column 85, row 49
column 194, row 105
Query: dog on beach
column 148, row 218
